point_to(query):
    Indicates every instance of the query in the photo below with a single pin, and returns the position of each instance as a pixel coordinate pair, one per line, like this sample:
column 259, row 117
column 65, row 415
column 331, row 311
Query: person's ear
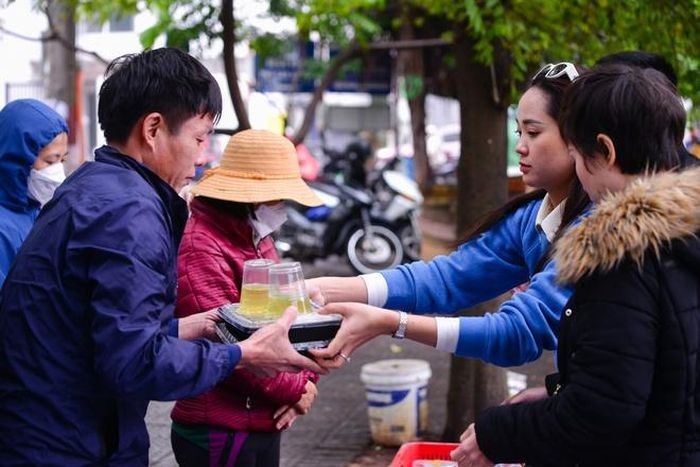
column 152, row 124
column 608, row 149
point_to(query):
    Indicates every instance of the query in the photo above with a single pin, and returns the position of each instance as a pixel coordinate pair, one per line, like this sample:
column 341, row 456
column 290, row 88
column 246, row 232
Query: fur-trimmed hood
column 649, row 213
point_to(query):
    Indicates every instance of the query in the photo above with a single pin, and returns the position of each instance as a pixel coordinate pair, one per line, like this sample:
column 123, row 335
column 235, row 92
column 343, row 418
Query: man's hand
column 199, row 325
column 360, row 324
column 268, row 350
column 468, row 454
column 286, row 414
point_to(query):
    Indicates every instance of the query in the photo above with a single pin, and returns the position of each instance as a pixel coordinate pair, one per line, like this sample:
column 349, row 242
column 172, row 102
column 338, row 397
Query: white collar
column 258, row 230
column 548, row 217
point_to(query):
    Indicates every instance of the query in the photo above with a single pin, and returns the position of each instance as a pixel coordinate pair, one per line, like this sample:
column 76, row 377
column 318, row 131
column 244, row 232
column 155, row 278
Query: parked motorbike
column 397, row 200
column 348, row 166
column 370, row 218
column 346, row 225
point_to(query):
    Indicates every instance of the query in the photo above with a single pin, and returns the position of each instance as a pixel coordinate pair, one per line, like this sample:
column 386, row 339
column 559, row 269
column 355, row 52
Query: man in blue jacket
column 87, row 335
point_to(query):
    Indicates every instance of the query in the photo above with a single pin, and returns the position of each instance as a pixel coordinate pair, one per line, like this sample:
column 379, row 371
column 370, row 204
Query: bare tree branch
column 351, row 51
column 409, row 44
column 55, row 37
column 345, row 56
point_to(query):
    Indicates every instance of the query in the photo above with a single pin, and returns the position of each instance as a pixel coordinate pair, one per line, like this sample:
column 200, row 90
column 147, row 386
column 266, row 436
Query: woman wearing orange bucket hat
column 236, row 207
column 257, row 167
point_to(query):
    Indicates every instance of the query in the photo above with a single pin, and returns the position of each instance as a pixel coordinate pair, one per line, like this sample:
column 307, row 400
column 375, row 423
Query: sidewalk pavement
column 336, row 430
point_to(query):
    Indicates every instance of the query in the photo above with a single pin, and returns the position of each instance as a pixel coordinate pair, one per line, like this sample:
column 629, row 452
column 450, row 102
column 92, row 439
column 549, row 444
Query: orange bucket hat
column 257, row 166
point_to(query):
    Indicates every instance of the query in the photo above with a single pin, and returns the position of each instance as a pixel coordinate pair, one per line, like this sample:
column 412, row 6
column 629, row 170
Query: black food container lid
column 309, row 330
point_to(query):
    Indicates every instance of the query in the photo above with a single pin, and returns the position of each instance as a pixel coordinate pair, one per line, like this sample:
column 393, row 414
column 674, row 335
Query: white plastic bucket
column 397, row 403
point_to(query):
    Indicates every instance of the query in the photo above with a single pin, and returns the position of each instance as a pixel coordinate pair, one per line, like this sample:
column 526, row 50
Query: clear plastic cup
column 255, row 295
column 287, row 289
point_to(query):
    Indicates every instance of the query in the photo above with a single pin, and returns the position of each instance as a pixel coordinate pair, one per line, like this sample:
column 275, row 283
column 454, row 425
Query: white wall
column 18, row 55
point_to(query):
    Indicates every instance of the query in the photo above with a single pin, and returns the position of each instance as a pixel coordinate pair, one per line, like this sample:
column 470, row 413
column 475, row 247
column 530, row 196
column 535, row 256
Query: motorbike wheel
column 411, row 243
column 376, row 252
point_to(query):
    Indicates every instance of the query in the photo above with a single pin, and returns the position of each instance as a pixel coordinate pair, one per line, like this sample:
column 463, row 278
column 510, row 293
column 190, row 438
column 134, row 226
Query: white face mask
column 269, row 218
column 41, row 184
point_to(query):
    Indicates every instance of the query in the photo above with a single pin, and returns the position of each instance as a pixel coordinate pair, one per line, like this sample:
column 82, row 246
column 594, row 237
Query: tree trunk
column 474, row 385
column 61, row 74
column 411, row 66
column 482, row 186
column 482, row 165
column 229, row 39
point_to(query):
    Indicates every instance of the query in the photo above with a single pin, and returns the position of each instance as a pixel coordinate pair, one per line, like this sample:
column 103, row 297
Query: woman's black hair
column 638, row 109
column 554, row 89
column 167, row 80
column 233, row 208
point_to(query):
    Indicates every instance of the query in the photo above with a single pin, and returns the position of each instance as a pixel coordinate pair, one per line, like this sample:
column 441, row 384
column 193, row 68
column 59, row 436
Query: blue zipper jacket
column 501, row 258
column 26, row 126
column 84, row 318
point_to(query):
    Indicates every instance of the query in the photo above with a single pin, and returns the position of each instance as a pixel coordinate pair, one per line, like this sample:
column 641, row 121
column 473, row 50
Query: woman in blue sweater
column 509, row 249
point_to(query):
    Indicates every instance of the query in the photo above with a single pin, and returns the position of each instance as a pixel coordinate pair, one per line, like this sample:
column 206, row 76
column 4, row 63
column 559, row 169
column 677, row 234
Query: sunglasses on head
column 557, row 70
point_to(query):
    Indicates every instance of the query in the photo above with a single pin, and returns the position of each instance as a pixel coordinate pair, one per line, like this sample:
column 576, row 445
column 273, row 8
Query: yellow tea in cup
column 255, row 288
column 287, row 288
column 255, row 299
column 279, row 304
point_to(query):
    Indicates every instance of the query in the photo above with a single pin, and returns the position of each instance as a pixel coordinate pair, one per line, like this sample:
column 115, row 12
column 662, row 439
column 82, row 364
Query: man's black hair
column 642, row 60
column 167, row 80
column 637, row 108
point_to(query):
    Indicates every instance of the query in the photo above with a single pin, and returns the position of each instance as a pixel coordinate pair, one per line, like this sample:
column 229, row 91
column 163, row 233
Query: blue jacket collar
column 176, row 206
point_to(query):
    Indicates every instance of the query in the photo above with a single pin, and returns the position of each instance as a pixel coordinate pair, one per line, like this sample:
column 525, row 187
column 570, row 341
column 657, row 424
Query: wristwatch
column 400, row 332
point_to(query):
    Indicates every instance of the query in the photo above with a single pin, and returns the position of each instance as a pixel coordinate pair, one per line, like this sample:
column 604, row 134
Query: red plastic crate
column 409, row 452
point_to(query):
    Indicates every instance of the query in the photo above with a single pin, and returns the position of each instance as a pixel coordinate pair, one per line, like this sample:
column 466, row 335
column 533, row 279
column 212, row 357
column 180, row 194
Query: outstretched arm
column 362, row 323
column 324, row 290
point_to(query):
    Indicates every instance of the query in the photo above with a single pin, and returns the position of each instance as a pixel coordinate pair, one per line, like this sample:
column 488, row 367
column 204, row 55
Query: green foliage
column 340, row 21
column 271, row 45
column 184, row 23
column 314, row 68
column 413, row 86
column 101, row 11
column 536, row 32
column 531, row 31
column 281, row 8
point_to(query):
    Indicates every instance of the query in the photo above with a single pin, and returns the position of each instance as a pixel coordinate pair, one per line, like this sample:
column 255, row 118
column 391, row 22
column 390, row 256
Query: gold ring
column 344, row 357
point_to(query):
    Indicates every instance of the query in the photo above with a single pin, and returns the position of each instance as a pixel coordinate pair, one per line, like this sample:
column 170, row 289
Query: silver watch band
column 400, row 332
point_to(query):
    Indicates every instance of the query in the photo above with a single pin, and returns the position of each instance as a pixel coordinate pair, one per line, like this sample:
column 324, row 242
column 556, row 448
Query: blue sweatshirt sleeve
column 521, row 328
column 482, row 269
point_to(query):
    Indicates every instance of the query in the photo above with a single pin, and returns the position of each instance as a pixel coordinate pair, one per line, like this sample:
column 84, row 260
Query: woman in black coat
column 627, row 391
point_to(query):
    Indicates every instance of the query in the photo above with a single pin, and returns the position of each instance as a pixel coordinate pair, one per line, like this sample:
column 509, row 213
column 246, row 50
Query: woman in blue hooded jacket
column 33, row 146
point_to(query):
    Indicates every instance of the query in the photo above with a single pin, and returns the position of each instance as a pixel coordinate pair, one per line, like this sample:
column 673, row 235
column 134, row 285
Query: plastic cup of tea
column 255, row 288
column 287, row 289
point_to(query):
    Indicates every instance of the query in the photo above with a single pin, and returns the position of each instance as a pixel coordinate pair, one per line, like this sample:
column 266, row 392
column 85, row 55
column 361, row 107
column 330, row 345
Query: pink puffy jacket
column 210, row 268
